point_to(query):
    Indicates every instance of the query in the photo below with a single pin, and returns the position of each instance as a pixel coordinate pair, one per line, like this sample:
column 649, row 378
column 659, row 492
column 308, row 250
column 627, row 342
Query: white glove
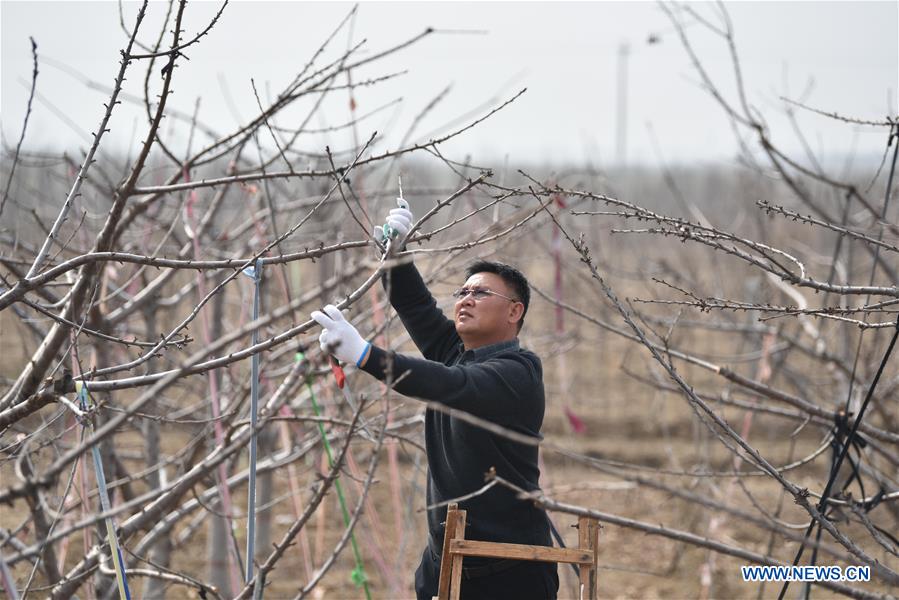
column 398, row 223
column 340, row 338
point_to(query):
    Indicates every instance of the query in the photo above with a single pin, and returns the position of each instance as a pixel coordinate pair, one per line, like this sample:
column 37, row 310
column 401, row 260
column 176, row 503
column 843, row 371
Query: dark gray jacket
column 502, row 383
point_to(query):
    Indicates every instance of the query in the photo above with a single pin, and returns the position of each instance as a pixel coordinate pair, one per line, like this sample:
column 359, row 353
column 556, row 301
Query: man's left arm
column 506, row 389
column 501, row 389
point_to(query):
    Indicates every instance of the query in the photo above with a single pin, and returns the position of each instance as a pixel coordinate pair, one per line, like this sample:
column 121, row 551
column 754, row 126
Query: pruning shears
column 340, row 379
column 337, row 370
column 385, row 233
column 401, row 202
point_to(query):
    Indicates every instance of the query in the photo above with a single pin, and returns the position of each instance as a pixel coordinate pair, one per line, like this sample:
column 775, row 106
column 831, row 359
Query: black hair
column 513, row 278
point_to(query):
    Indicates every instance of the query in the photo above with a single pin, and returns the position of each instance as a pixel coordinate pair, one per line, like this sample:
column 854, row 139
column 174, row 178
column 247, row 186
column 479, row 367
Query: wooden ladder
column 455, row 547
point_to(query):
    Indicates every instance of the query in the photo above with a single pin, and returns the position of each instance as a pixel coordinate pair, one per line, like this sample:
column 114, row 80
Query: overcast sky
column 837, row 56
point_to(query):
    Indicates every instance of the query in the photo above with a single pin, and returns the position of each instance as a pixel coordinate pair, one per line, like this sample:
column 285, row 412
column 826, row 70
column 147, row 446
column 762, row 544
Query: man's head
column 491, row 305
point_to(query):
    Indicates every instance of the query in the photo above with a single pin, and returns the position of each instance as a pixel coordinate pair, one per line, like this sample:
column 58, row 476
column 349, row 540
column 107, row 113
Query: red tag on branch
column 577, row 424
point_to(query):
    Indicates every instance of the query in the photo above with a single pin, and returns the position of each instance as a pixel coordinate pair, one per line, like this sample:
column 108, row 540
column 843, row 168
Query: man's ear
column 516, row 312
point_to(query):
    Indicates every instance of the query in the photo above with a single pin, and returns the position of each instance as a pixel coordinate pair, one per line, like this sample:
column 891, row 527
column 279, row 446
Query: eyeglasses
column 479, row 294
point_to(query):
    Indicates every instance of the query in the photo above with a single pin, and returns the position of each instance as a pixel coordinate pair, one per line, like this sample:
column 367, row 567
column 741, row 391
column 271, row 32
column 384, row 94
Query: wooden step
column 521, row 552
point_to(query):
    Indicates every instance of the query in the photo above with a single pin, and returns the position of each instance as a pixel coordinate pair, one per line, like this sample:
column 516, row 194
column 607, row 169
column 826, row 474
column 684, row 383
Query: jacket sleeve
column 433, row 334
column 506, row 390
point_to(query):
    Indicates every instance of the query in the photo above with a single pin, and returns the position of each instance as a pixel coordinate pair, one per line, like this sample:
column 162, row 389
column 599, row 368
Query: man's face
column 490, row 319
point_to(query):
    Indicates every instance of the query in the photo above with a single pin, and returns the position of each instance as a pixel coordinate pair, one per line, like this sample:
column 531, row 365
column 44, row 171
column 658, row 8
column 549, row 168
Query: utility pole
column 621, row 112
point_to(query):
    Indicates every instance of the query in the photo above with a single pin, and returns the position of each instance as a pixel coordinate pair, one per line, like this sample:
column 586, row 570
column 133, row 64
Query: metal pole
column 254, row 417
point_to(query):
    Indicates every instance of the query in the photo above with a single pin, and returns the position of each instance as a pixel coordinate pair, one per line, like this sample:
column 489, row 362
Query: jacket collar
column 485, row 352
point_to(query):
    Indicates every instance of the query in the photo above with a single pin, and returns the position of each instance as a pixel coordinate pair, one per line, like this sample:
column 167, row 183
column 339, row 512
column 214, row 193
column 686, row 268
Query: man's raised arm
column 433, row 333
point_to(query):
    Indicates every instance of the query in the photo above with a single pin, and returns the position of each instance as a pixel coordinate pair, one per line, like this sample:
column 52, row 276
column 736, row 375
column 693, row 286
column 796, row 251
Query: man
column 473, row 363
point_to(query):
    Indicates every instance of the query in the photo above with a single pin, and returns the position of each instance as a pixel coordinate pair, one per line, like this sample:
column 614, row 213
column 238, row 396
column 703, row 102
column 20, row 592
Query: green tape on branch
column 357, row 575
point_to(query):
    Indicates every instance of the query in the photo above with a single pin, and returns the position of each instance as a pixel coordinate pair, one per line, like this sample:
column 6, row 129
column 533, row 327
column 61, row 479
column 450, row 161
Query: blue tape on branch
column 256, row 273
column 111, row 537
column 251, row 270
